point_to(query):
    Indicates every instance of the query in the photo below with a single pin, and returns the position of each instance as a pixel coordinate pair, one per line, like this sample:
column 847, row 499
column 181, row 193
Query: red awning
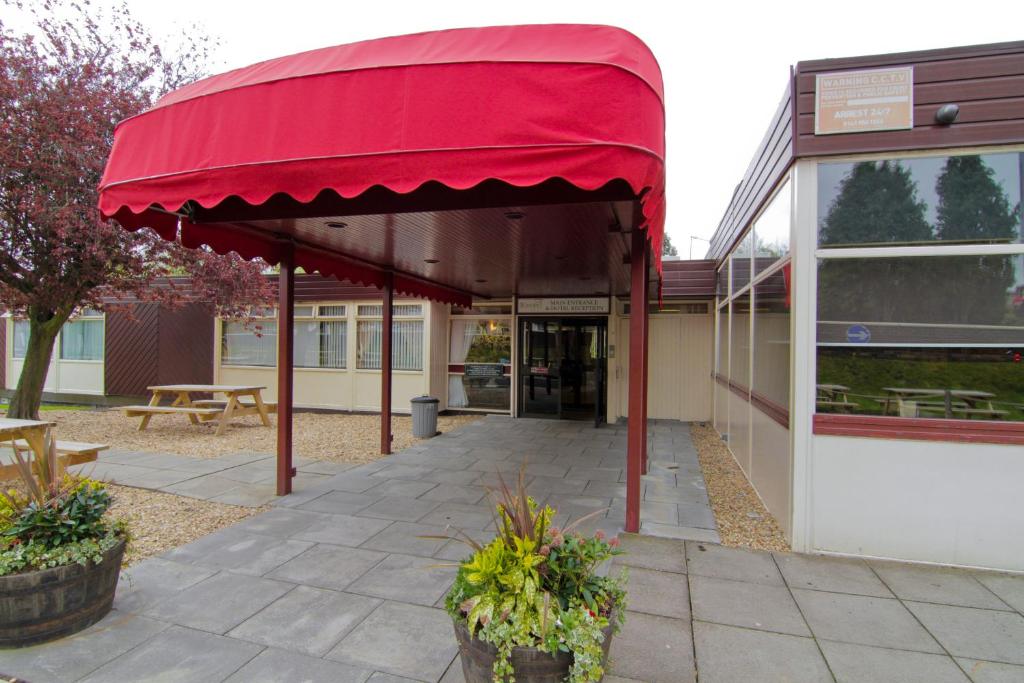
column 517, row 104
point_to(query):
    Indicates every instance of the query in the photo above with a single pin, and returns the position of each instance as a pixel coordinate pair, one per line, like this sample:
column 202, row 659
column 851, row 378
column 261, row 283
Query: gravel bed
column 743, row 520
column 161, row 521
column 343, row 437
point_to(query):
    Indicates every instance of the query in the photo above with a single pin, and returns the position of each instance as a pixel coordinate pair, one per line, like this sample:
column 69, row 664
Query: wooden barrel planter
column 530, row 664
column 46, row 604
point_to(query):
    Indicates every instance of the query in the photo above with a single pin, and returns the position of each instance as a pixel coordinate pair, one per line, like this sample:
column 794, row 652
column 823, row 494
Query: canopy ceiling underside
column 414, row 143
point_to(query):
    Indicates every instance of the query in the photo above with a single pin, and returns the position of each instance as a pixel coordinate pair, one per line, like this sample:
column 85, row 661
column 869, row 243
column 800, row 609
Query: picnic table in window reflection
column 835, row 397
column 949, row 403
column 237, row 402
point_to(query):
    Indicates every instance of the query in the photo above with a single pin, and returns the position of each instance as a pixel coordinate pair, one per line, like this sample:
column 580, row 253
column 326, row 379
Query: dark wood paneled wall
column 771, row 160
column 186, row 345
column 131, row 351
column 987, row 81
column 685, row 279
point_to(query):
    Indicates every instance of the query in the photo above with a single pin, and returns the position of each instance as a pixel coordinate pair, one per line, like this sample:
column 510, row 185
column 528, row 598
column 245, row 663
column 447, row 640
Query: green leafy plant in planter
column 55, row 532
column 536, row 586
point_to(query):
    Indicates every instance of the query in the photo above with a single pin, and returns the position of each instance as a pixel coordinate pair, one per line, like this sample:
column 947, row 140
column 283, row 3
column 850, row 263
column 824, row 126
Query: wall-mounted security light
column 947, row 114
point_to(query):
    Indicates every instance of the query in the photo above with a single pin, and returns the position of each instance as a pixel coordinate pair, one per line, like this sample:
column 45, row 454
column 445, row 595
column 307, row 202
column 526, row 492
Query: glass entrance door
column 563, row 368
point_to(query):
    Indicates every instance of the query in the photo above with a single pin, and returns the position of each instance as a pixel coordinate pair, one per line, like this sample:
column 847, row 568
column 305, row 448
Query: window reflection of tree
column 877, row 204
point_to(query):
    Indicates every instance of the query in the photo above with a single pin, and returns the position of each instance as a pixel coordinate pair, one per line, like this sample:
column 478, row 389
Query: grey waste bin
column 424, row 417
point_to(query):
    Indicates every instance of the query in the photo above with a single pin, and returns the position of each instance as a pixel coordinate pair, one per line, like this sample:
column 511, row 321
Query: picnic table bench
column 834, row 396
column 238, row 401
column 30, row 436
column 954, row 402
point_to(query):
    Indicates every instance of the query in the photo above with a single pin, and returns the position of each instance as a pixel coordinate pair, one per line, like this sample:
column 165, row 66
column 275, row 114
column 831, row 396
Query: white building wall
column 928, row 501
column 62, row 376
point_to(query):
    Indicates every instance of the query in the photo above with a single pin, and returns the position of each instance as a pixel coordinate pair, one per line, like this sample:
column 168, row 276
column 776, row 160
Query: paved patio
column 336, row 584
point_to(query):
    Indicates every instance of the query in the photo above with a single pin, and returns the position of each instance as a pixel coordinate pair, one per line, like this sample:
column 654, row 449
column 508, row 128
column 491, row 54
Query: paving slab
column 248, row 495
column 942, row 585
column 651, row 553
column 748, row 605
column 653, row 649
column 210, row 486
column 276, row 666
column 328, row 566
column 399, row 509
column 219, row 603
column 68, row 659
column 732, row 563
column 726, row 654
column 306, row 620
column 974, row 633
column 340, row 502
column 279, row 522
column 863, row 620
column 1007, row 587
column 991, row 672
column 662, row 593
column 853, row 663
column 178, row 655
column 455, row 493
column 240, row 551
column 342, row 530
column 833, row 574
column 406, row 578
column 147, row 583
column 404, row 640
column 460, row 516
column 408, row 538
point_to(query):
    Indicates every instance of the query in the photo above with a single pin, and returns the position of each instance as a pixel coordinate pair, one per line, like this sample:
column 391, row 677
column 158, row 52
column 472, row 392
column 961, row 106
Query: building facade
column 557, row 357
column 869, row 320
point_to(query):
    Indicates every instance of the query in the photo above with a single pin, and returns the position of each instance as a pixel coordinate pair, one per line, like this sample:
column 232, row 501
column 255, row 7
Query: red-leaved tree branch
column 63, row 88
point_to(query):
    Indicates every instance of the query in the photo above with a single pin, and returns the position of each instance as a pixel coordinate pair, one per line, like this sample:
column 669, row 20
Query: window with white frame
column 321, row 336
column 82, row 337
column 921, row 287
column 252, row 343
column 19, row 344
column 406, row 337
column 754, row 306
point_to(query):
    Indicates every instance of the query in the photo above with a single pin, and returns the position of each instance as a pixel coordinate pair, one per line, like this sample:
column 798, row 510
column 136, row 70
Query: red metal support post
column 647, row 336
column 385, row 366
column 285, row 363
column 637, row 398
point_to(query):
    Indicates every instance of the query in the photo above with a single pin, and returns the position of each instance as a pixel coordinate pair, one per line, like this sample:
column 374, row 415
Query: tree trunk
column 41, row 338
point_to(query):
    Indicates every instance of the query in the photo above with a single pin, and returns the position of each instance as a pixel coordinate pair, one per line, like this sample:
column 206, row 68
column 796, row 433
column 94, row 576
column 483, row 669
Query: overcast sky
column 725, row 64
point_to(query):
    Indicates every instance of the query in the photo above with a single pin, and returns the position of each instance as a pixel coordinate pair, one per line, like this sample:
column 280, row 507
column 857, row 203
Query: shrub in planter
column 60, row 554
column 532, row 597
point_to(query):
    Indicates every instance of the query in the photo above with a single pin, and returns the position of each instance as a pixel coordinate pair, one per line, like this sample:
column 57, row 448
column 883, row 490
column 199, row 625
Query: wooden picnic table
column 834, row 396
column 32, row 432
column 223, row 410
column 970, row 399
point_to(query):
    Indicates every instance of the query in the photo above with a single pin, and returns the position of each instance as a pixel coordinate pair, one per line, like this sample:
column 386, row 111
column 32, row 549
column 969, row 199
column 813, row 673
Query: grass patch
column 48, row 407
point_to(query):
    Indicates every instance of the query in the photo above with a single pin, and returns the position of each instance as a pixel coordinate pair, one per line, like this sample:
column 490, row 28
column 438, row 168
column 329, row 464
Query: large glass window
column 965, row 199
column 771, row 231
column 82, row 339
column 939, row 335
column 484, row 350
column 406, row 338
column 20, row 342
column 771, row 338
column 320, row 343
column 739, row 358
column 740, row 263
column 723, row 342
column 249, row 344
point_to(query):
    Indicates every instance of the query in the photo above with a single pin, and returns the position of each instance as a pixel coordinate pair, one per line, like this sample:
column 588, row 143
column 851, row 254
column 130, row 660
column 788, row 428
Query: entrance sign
column 864, row 101
column 586, row 304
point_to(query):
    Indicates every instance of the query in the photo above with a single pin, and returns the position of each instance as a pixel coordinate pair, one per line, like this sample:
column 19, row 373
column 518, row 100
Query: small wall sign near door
column 547, row 305
column 864, row 101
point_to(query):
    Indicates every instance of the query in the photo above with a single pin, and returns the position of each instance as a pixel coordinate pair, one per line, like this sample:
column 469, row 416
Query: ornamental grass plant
column 535, row 585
